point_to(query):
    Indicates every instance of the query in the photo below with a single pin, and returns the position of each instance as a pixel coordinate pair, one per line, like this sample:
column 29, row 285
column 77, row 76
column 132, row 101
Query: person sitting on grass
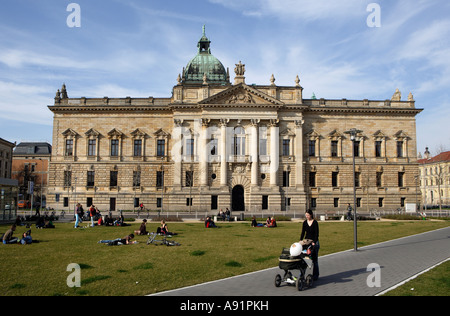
column 26, row 238
column 8, row 236
column 143, row 228
column 271, row 222
column 255, row 223
column 109, row 221
column 209, row 223
column 127, row 240
column 163, row 229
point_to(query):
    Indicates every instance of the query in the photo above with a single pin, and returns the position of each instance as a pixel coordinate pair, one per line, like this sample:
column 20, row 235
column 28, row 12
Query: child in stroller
column 287, row 262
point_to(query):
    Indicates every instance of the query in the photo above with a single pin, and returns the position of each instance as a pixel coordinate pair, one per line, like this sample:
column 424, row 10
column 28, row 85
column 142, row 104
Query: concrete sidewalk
column 344, row 273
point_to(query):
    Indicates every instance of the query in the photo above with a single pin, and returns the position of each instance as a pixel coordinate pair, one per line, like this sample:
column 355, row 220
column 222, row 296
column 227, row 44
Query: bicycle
column 152, row 239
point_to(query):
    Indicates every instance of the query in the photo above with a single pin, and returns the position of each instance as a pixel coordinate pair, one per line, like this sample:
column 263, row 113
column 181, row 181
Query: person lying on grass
column 127, row 240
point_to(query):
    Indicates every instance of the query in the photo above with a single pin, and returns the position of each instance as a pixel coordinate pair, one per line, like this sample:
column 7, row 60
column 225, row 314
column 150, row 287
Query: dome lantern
column 204, row 63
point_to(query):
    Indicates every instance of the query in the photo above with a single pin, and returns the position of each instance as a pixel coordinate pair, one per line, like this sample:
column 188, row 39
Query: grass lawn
column 435, row 282
column 140, row 269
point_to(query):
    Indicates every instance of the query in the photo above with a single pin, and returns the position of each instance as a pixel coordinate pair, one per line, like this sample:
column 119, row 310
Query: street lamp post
column 162, row 182
column 353, row 132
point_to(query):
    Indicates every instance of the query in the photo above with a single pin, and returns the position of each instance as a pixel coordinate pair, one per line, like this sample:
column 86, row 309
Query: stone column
column 254, row 152
column 299, row 152
column 274, row 151
column 203, row 156
column 223, row 152
column 176, row 152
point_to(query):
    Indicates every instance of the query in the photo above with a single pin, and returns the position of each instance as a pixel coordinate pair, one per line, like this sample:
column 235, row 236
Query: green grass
column 435, row 282
column 139, row 269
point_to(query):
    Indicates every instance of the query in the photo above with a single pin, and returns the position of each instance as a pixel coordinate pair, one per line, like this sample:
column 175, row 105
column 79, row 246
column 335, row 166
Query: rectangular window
column 336, row 202
column 188, row 201
column 356, row 147
column 158, row 202
column 160, row 150
column 263, row 146
column 286, row 175
column 67, row 178
column 90, row 178
column 263, row 140
column 401, row 176
column 402, row 202
column 265, row 202
column 286, row 145
column 91, row 147
column 313, row 202
column 334, row 148
column 358, row 202
column 399, row 149
column 189, row 178
column 380, row 202
column 189, row 147
column 239, row 145
column 334, row 179
column 114, row 147
column 378, row 148
column 213, row 202
column 379, row 179
column 66, row 202
column 113, row 178
column 137, row 150
column 287, row 201
column 312, row 148
column 159, row 179
column 69, row 147
column 312, row 179
column 136, row 178
column 213, row 144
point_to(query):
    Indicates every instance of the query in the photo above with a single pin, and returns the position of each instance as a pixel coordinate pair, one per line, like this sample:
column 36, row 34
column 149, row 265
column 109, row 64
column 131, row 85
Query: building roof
column 442, row 157
column 204, row 63
column 5, row 142
column 30, row 148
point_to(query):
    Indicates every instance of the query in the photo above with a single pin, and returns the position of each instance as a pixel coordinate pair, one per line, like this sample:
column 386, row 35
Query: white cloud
column 22, row 102
column 306, row 10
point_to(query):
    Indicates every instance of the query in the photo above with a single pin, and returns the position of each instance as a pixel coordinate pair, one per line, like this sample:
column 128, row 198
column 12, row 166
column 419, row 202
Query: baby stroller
column 287, row 263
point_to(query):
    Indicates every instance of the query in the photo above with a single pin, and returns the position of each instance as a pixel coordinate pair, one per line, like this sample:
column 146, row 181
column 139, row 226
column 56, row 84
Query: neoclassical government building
column 218, row 143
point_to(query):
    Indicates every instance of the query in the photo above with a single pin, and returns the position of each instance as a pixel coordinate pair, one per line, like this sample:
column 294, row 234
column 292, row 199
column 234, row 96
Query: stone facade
column 435, row 179
column 246, row 147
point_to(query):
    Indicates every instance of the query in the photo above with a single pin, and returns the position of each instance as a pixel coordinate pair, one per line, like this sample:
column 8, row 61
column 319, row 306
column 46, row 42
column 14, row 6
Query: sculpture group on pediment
column 240, row 98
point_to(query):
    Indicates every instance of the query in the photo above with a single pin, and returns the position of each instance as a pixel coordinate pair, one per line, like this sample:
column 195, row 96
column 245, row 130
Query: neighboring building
column 215, row 144
column 30, row 163
column 8, row 186
column 435, row 179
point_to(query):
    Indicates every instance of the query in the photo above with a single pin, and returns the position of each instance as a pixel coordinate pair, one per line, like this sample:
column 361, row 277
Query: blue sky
column 137, row 48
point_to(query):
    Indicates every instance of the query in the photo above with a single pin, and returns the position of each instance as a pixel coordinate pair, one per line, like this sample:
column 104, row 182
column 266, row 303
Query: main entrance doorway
column 237, row 198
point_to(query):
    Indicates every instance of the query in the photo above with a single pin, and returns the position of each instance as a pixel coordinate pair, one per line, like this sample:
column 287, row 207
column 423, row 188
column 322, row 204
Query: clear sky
column 137, row 48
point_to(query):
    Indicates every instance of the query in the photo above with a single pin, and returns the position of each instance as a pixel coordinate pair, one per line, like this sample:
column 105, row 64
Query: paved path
column 343, row 273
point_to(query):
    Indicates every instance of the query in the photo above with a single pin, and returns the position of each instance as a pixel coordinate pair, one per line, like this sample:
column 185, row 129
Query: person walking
column 349, row 212
column 78, row 214
column 310, row 236
column 92, row 212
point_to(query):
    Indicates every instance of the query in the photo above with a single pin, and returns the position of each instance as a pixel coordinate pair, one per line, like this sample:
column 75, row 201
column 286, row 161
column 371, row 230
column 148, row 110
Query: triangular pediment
column 379, row 135
column 401, row 135
column 161, row 133
column 335, row 135
column 70, row 132
column 241, row 95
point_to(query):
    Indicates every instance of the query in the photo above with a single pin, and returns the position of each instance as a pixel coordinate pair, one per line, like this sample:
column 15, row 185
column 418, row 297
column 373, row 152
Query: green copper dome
column 205, row 63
